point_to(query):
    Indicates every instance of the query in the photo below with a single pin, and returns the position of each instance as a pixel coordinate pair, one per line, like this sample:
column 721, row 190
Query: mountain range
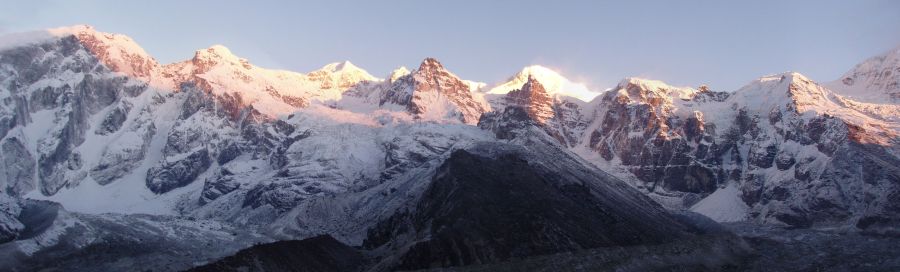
column 111, row 160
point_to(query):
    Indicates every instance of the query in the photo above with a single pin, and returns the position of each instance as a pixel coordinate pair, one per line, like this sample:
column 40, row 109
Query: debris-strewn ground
column 770, row 249
column 779, row 249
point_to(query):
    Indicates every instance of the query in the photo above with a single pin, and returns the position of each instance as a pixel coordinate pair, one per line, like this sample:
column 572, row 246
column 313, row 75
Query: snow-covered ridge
column 638, row 89
column 223, row 72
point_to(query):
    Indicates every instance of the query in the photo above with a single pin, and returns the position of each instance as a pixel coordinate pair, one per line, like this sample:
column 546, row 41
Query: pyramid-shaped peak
column 534, row 99
column 534, row 85
column 532, row 91
column 340, row 66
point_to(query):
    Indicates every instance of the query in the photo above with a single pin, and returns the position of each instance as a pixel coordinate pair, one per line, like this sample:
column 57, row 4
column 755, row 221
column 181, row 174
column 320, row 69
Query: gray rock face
column 10, row 226
column 179, row 173
column 229, row 152
column 638, row 134
column 218, row 185
column 55, row 157
column 56, row 160
column 508, row 123
column 114, row 119
column 281, row 194
column 184, row 137
column 16, row 168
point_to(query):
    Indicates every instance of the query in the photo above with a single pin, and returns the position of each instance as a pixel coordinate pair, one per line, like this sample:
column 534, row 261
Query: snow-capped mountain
column 876, row 80
column 798, row 153
column 561, row 117
column 554, row 83
column 274, row 93
column 216, row 145
column 433, row 93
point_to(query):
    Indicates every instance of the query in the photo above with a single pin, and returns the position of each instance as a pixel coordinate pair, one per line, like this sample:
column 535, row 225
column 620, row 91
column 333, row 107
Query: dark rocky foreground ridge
column 483, row 210
column 316, row 254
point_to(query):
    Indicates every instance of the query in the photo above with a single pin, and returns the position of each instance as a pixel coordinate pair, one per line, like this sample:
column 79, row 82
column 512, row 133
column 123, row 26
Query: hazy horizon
column 723, row 45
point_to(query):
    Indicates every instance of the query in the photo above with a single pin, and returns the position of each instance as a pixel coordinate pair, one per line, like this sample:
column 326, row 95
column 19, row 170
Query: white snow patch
column 723, row 205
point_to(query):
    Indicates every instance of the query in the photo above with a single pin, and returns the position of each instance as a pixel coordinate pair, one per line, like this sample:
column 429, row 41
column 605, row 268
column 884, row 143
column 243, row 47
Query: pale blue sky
column 724, row 44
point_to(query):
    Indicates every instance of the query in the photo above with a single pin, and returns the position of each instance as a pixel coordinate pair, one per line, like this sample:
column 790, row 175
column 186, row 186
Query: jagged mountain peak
column 430, row 64
column 432, row 69
column 553, row 81
column 340, row 66
column 118, row 52
column 524, row 95
column 343, row 73
column 432, row 92
column 534, row 98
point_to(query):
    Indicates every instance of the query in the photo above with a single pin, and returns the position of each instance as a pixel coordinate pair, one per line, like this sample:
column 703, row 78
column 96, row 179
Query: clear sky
column 724, row 44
